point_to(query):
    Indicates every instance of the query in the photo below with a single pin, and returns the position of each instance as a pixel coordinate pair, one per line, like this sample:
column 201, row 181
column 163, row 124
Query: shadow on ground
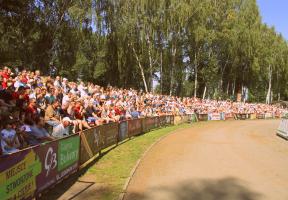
column 223, row 189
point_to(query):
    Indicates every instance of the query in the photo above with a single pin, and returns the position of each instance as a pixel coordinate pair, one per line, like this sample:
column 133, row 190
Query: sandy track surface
column 232, row 160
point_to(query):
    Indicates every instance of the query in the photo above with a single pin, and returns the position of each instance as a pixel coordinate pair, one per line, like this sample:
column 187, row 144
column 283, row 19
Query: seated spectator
column 62, row 130
column 39, row 132
column 9, row 139
column 51, row 116
column 134, row 113
column 31, row 111
column 91, row 115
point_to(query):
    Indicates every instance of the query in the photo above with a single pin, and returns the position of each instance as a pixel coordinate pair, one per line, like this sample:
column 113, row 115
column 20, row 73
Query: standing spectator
column 53, row 70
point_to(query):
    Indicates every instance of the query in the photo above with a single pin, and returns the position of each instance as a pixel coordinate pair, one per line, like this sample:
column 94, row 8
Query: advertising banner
column 202, row 117
column 282, row 130
column 260, row 116
column 123, row 130
column 108, row 134
column 134, row 127
column 185, row 118
column 156, row 122
column 222, row 116
column 168, row 119
column 93, row 140
column 253, row 116
column 243, row 116
column 268, row 115
column 27, row 173
column 193, row 118
column 214, row 116
column 177, row 119
column 162, row 120
column 229, row 116
column 149, row 123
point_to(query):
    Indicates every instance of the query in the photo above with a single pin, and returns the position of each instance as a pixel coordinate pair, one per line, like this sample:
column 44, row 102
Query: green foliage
column 187, row 44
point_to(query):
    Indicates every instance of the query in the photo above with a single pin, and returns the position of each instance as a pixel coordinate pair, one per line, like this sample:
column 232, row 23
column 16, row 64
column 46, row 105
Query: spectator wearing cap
column 62, row 129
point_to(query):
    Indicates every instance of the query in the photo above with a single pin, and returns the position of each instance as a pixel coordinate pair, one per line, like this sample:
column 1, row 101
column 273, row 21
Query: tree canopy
column 201, row 48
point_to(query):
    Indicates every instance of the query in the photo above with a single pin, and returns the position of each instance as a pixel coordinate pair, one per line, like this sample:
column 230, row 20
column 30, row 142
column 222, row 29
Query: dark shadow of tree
column 223, row 189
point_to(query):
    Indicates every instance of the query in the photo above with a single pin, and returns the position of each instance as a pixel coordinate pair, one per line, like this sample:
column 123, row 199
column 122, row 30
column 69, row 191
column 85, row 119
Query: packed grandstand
column 35, row 109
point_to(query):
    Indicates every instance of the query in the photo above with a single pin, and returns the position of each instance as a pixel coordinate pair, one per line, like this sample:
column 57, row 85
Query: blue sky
column 275, row 13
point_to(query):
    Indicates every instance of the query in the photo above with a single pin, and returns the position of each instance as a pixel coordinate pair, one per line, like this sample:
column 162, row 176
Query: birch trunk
column 196, row 75
column 150, row 63
column 227, row 90
column 141, row 69
column 233, row 87
column 172, row 69
column 268, row 96
column 161, row 63
column 204, row 93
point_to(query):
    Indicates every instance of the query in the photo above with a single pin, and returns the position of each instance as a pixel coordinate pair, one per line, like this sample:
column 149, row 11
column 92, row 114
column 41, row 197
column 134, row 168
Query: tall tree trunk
column 161, row 71
column 204, row 93
column 141, row 69
column 174, row 50
column 222, row 70
column 150, row 62
column 268, row 96
column 196, row 75
column 227, row 90
column 233, row 87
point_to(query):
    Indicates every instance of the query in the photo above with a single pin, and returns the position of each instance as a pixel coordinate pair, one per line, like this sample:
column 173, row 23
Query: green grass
column 113, row 169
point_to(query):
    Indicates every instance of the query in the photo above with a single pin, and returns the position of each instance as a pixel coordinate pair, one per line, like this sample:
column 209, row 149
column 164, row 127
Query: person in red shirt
column 31, row 110
column 22, row 100
column 5, row 77
column 79, row 115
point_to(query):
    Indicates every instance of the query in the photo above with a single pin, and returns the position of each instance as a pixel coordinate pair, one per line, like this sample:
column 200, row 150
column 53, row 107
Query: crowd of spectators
column 36, row 109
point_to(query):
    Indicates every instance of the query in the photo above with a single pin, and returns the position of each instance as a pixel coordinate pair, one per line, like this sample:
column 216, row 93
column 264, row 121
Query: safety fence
column 29, row 172
column 235, row 116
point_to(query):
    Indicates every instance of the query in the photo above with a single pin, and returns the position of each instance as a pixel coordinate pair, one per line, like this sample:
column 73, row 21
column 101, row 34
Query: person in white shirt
column 57, row 82
column 9, row 139
column 66, row 98
column 62, row 130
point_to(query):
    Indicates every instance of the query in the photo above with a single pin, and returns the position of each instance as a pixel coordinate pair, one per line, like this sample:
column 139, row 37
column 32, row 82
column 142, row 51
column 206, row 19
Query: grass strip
column 113, row 169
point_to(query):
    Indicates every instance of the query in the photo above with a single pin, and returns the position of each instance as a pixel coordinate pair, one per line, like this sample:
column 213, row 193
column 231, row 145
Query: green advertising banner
column 68, row 152
column 27, row 173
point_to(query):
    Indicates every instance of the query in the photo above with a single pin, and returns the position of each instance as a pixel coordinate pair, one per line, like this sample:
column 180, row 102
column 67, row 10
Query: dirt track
column 234, row 160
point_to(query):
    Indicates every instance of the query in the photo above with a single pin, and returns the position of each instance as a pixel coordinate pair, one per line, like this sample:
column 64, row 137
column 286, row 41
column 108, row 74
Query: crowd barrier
column 29, row 172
